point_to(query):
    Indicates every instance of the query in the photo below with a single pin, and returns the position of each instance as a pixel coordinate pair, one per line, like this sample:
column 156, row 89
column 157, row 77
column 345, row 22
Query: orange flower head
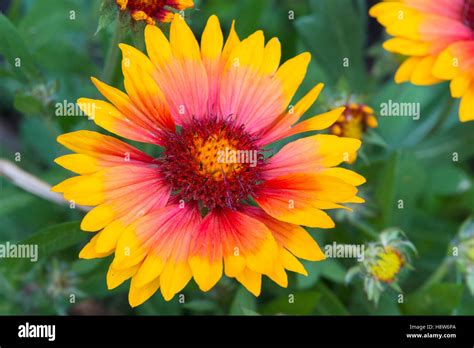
column 438, row 38
column 149, row 10
column 216, row 200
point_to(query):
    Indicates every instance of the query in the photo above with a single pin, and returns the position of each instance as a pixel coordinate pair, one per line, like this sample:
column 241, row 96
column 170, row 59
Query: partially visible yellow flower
column 149, row 10
column 355, row 121
column 387, row 264
column 438, row 38
column 384, row 261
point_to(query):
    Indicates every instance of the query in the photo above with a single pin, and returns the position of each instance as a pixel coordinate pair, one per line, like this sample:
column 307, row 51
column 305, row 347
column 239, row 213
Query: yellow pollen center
column 388, row 265
column 214, row 156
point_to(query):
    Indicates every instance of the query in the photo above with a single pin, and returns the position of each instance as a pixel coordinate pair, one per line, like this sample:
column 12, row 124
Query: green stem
column 438, row 274
column 112, row 58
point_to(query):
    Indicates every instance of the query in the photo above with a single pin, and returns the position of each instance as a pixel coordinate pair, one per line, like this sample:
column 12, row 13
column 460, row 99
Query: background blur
column 401, row 159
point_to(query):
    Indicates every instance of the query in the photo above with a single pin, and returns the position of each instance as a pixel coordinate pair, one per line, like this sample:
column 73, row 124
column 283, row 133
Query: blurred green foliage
column 402, row 159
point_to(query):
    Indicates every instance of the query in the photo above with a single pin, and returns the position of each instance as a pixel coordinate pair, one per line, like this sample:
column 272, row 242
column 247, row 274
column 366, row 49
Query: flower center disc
column 147, row 6
column 213, row 162
column 388, row 265
column 468, row 13
column 210, row 152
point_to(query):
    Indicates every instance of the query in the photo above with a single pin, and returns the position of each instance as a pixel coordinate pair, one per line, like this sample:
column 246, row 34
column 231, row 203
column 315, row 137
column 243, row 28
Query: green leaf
column 10, row 201
column 156, row 305
column 404, row 131
column 16, row 52
column 45, row 23
column 56, row 238
column 329, row 269
column 387, row 305
column 470, row 282
column 373, row 138
column 439, row 299
column 448, row 180
column 95, row 284
column 39, row 139
column 333, row 270
column 314, row 273
column 86, row 266
column 400, row 183
column 107, row 14
column 6, row 289
column 326, row 36
column 453, row 144
column 249, row 312
column 466, row 307
column 200, row 306
column 243, row 301
column 27, row 104
column 247, row 13
column 51, row 57
column 299, row 303
column 329, row 303
column 49, row 240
